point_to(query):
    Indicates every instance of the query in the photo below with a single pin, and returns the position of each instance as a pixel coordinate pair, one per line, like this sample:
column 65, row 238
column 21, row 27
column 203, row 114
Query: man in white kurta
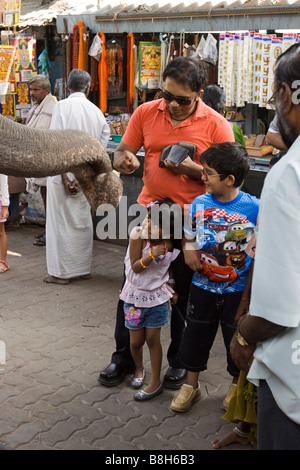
column 272, row 329
column 69, row 226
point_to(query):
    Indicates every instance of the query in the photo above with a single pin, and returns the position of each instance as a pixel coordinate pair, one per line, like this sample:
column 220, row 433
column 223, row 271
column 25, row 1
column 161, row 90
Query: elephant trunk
column 30, row 152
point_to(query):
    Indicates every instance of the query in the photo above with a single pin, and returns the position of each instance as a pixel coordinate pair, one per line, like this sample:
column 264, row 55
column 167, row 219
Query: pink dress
column 148, row 288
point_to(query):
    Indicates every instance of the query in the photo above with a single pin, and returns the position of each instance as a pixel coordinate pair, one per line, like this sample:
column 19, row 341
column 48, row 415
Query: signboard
column 10, row 11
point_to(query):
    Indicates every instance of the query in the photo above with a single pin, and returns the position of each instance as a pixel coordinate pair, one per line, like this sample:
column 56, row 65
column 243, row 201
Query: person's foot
column 174, row 378
column 114, row 374
column 228, row 439
column 40, row 240
column 185, row 398
column 56, row 280
column 3, row 266
column 142, row 395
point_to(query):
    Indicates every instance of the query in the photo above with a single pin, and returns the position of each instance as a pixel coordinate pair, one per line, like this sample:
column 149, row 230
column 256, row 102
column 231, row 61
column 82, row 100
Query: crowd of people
column 217, row 271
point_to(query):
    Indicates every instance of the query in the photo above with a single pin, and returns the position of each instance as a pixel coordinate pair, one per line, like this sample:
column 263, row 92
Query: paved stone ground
column 58, row 339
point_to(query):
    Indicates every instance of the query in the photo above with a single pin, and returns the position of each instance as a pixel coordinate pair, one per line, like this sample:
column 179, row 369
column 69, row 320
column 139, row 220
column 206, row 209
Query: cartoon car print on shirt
column 228, row 253
column 214, row 271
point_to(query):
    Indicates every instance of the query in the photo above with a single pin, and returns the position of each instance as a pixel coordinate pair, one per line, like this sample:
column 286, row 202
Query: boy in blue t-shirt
column 218, row 228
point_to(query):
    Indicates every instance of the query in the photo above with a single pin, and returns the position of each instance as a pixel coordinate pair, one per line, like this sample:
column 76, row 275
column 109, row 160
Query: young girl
column 147, row 291
column 4, row 203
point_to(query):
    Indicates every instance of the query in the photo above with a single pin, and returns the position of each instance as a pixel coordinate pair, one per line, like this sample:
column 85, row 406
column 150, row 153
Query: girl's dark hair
column 214, row 96
column 287, row 66
column 228, row 158
column 166, row 213
column 186, row 71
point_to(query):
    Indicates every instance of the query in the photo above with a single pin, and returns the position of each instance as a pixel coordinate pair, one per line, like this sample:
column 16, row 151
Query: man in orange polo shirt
column 180, row 116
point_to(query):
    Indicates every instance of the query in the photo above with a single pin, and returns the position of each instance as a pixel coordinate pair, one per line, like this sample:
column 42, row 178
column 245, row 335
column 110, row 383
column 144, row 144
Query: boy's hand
column 192, row 259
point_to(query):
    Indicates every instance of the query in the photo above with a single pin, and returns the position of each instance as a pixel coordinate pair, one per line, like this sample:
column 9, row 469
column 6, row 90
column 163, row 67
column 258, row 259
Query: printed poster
column 7, row 70
column 149, row 64
column 10, row 11
column 22, row 100
column 7, row 106
column 25, row 56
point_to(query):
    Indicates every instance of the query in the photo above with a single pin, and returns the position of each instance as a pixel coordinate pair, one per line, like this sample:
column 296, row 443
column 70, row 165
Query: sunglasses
column 182, row 100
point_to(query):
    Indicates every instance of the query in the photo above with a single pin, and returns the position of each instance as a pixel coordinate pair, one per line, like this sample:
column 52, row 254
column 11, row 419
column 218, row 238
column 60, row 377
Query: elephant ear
column 30, row 152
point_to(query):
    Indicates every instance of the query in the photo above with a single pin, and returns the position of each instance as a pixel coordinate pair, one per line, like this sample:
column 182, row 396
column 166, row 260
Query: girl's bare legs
column 3, row 242
column 137, row 341
column 155, row 349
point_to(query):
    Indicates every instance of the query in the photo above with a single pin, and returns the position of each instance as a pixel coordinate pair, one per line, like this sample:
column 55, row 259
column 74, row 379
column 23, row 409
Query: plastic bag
column 210, row 51
column 96, row 48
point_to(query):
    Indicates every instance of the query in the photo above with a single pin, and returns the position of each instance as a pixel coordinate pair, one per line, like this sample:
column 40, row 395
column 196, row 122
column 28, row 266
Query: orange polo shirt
column 151, row 127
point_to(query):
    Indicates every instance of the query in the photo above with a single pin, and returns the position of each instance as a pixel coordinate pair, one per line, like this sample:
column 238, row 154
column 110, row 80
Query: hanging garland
column 81, row 45
column 130, row 72
column 102, row 73
column 94, row 74
column 114, row 68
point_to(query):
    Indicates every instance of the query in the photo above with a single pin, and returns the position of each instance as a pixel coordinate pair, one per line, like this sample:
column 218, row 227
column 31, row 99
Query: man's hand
column 187, row 167
column 241, row 355
column 72, row 187
column 125, row 160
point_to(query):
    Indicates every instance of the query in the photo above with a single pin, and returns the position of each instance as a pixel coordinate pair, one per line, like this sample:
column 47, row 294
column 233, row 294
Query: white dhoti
column 69, row 232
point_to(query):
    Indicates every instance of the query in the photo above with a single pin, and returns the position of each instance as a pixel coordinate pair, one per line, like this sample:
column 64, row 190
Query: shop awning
column 181, row 15
column 41, row 12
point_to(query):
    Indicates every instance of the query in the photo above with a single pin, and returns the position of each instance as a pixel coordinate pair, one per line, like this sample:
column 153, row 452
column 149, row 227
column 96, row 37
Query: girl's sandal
column 5, row 266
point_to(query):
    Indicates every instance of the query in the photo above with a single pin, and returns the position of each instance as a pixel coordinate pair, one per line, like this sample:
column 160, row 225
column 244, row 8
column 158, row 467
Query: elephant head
column 29, row 152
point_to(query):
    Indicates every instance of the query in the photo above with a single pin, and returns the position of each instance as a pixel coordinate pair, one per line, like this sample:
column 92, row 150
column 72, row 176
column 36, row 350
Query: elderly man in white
column 69, row 227
column 39, row 117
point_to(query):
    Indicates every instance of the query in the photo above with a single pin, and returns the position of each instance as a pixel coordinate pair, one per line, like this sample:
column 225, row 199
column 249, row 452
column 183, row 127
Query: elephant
column 29, row 152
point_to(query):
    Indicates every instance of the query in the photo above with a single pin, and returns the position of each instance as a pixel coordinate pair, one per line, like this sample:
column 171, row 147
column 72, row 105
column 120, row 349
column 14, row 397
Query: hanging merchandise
column 163, row 58
column 25, row 55
column 275, row 51
column 83, row 47
column 102, row 74
column 114, row 66
column 44, row 63
column 149, row 65
column 130, row 71
column 10, row 12
column 75, row 47
column 209, row 53
column 246, row 65
column 7, row 106
column 95, row 54
column 7, row 70
column 96, row 48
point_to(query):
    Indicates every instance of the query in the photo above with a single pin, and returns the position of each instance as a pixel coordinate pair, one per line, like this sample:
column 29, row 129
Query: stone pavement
column 58, row 339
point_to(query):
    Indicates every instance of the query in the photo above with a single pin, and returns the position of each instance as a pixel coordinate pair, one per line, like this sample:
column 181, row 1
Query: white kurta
column 40, row 118
column 275, row 294
column 69, row 226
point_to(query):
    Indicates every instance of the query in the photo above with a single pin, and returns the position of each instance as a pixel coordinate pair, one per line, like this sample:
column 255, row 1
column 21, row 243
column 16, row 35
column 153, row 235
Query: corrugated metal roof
column 169, row 16
column 162, row 15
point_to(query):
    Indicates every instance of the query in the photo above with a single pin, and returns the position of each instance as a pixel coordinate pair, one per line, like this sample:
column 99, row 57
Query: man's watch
column 241, row 340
